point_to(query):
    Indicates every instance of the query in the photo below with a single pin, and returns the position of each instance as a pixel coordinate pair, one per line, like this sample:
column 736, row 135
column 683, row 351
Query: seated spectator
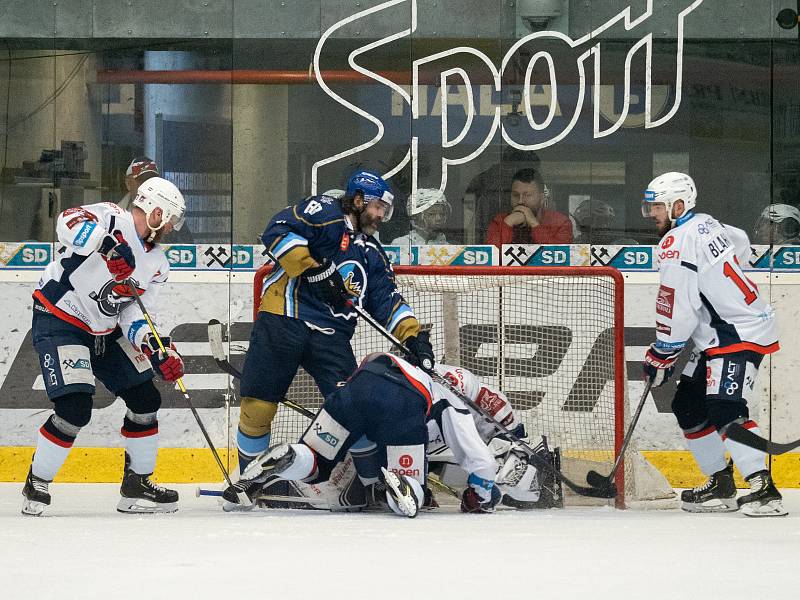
column 429, row 211
column 140, row 170
column 593, row 223
column 529, row 221
column 778, row 224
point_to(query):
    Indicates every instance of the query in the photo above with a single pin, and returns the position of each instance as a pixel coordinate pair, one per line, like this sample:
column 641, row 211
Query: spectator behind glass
column 429, row 211
column 529, row 221
column 778, row 224
column 140, row 170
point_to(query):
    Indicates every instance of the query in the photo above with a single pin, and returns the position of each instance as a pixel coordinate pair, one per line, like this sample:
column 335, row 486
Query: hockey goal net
column 551, row 338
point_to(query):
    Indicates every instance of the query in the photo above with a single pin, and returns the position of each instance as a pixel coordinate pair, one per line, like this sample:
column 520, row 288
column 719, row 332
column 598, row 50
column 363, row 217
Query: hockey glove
column 168, row 364
column 659, row 364
column 118, row 256
column 420, row 351
column 326, row 284
column 481, row 495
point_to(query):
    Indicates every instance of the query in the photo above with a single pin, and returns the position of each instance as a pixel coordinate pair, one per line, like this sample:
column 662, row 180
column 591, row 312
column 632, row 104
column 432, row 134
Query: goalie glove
column 118, row 256
column 326, row 283
column 169, row 363
column 659, row 363
column 481, row 495
column 420, row 351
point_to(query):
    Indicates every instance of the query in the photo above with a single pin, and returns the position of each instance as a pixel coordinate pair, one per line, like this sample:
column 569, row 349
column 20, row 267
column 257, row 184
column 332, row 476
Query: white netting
column 547, row 340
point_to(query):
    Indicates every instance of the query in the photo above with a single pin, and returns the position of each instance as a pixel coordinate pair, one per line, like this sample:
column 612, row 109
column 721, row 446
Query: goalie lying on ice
column 401, row 410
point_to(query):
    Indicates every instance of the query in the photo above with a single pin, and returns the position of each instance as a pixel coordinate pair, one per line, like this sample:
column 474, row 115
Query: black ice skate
column 36, row 494
column 551, row 493
column 718, row 494
column 141, row 495
column 271, row 462
column 764, row 499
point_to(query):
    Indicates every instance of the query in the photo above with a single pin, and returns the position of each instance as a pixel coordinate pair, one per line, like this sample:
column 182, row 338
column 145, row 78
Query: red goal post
column 552, row 338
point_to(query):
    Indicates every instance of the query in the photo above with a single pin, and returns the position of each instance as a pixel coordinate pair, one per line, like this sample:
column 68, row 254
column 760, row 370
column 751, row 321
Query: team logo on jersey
column 113, row 297
column 668, row 241
column 405, row 461
column 665, row 301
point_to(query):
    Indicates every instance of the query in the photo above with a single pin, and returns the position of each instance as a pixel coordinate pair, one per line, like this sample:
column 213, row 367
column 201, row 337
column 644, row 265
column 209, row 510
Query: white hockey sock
column 143, row 450
column 707, row 448
column 303, row 466
column 51, row 452
column 749, row 460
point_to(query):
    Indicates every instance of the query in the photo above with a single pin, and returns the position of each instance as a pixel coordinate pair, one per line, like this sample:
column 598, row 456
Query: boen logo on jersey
column 573, row 59
column 113, row 297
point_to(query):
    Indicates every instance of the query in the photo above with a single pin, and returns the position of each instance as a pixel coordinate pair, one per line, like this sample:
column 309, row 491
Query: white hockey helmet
column 157, row 192
column 777, row 224
column 667, row 189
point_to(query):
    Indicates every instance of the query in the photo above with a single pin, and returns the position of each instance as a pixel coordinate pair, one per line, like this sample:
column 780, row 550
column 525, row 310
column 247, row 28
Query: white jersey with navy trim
column 466, row 433
column 704, row 295
column 77, row 286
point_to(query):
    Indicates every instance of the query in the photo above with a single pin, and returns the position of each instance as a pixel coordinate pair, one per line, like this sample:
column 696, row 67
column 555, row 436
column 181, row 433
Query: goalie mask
column 160, row 193
column 777, row 224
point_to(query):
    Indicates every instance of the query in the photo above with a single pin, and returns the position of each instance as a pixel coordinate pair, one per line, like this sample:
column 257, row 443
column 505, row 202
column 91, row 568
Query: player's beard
column 663, row 229
column 368, row 224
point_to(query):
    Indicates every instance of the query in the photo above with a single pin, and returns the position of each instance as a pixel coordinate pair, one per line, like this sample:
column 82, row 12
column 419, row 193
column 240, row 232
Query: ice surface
column 84, row 549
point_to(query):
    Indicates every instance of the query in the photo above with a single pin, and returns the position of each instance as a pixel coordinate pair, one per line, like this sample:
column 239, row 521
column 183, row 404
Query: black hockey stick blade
column 598, row 481
column 746, row 437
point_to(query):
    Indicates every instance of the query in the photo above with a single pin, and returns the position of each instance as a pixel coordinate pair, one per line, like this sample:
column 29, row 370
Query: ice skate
column 36, row 493
column 718, row 494
column 401, row 496
column 140, row 495
column 764, row 499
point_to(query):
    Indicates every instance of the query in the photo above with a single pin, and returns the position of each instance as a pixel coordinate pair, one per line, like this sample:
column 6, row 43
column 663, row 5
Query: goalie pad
column 523, row 485
column 343, row 491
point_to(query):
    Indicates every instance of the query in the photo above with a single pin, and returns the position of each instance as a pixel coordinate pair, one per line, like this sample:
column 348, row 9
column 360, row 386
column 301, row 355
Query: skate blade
column 719, row 506
column 33, row 509
column 405, row 503
column 228, row 506
column 145, row 507
column 773, row 508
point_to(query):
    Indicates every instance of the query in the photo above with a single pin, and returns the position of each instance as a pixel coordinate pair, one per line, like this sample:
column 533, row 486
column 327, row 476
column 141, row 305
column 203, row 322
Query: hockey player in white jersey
column 451, row 443
column 705, row 297
column 86, row 324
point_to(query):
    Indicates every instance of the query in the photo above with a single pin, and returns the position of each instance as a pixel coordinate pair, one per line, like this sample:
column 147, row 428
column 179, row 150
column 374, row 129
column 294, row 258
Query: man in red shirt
column 529, row 222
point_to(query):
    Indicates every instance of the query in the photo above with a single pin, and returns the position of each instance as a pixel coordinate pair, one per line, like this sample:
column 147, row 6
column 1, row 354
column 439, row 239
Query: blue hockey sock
column 365, row 460
column 249, row 447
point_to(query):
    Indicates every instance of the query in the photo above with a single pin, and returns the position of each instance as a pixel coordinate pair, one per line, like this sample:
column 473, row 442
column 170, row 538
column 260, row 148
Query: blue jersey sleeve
column 300, row 236
column 383, row 301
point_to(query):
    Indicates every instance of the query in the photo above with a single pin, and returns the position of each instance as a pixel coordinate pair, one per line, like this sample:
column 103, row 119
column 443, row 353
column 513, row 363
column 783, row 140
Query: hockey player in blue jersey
column 325, row 258
column 391, row 402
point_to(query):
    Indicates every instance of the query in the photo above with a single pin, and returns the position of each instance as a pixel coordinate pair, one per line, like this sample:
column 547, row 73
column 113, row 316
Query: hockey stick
column 592, row 492
column 597, row 480
column 746, row 437
column 292, row 499
column 243, row 499
column 218, row 352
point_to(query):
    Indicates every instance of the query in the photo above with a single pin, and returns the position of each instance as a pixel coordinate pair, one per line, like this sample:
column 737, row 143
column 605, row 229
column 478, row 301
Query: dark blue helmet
column 373, row 187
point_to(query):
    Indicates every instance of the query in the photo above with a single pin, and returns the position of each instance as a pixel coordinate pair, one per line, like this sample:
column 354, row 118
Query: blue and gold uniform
column 295, row 328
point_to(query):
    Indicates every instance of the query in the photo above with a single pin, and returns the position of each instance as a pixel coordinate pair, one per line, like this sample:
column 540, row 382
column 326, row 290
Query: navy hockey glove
column 420, row 350
column 481, row 495
column 168, row 364
column 326, row 284
column 659, row 364
column 118, row 256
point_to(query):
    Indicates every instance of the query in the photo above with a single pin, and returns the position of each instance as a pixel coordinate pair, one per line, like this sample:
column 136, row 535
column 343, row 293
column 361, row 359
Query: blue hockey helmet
column 373, row 187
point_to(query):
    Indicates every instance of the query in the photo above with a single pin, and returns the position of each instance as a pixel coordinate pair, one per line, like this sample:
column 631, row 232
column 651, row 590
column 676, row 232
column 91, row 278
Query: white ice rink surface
column 84, row 549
